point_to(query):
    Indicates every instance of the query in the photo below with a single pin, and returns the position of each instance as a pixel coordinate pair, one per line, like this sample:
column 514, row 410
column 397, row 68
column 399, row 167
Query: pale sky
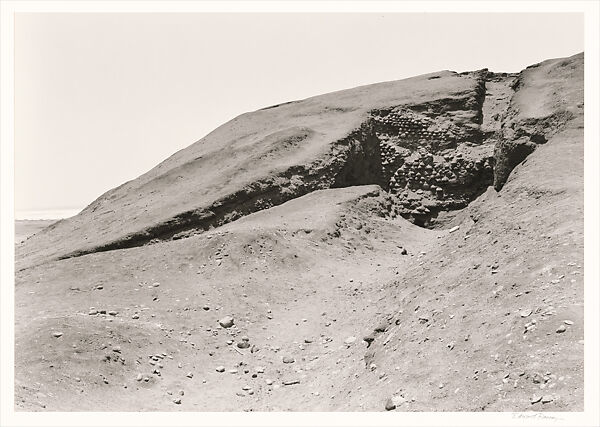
column 102, row 98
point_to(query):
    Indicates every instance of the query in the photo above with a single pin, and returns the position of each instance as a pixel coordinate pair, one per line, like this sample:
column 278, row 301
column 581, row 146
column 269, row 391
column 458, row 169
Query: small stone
column 116, row 349
column 547, row 399
column 290, row 382
column 269, row 382
column 220, row 369
column 113, row 313
column 181, row 392
column 350, row 340
column 135, row 316
column 177, row 401
column 205, row 308
column 568, row 322
column 139, row 377
column 226, row 322
column 93, row 312
column 57, row 334
column 453, row 229
column 288, row 359
column 526, row 313
column 561, row 329
column 389, row 405
column 382, row 327
column 189, row 375
column 243, row 344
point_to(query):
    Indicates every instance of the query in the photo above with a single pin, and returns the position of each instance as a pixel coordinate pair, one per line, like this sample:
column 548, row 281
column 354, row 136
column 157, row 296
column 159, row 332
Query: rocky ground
column 408, row 246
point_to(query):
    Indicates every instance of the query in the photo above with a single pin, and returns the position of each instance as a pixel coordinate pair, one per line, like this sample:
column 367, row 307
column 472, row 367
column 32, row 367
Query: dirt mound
column 358, row 246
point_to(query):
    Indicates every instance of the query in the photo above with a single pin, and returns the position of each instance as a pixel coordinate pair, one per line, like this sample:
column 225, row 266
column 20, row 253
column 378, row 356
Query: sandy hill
column 408, row 245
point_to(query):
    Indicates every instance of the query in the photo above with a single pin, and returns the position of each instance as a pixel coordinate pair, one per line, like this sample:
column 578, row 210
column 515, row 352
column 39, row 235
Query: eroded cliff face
column 434, row 142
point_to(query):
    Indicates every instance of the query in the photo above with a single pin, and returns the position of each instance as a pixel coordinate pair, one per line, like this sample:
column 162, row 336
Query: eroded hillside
column 410, row 245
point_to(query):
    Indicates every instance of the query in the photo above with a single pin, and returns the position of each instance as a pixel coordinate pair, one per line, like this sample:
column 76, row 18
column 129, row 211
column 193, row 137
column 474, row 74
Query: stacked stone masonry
column 431, row 165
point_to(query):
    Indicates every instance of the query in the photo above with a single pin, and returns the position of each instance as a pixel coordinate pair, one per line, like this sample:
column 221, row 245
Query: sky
column 102, row 98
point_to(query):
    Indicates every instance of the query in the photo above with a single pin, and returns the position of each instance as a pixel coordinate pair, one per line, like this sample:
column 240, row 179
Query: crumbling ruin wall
column 433, row 155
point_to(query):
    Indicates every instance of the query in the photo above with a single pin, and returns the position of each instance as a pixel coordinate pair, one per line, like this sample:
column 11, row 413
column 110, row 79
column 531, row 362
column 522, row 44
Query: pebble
column 526, row 313
column 243, row 344
column 205, row 308
column 93, row 312
column 389, row 405
column 350, row 340
column 288, row 359
column 269, row 382
column 536, row 399
column 568, row 322
column 226, row 322
column 290, row 382
column 189, row 375
column 139, row 377
column 57, row 334
column 113, row 313
column 135, row 316
column 547, row 399
column 177, row 401
column 220, row 369
column 561, row 329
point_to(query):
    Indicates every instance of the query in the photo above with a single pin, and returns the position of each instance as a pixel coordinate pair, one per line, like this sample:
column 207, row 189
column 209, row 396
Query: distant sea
column 47, row 214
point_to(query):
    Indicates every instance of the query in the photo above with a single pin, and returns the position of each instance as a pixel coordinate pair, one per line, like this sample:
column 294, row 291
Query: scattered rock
column 568, row 322
column 526, row 313
column 288, row 359
column 350, row 340
column 177, row 401
column 390, row 405
column 220, row 369
column 453, row 229
column 113, row 313
column 290, row 382
column 226, row 322
column 189, row 375
column 535, row 399
column 561, row 329
column 243, row 344
column 57, row 334
column 382, row 327
column 547, row 399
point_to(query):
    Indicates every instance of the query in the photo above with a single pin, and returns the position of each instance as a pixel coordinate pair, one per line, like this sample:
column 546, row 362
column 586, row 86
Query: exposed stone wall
column 432, row 164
